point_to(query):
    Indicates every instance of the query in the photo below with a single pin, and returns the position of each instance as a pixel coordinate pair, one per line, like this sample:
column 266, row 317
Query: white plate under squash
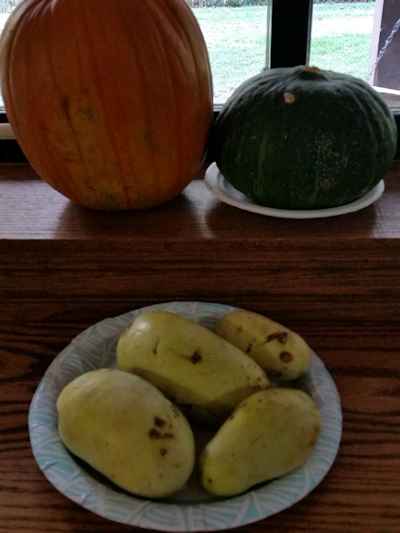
column 225, row 192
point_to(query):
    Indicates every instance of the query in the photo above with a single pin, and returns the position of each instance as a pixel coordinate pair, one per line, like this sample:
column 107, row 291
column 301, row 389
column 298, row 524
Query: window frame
column 288, row 22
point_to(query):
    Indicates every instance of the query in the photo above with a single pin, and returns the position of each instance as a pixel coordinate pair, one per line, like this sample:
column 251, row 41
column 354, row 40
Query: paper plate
column 190, row 510
column 219, row 186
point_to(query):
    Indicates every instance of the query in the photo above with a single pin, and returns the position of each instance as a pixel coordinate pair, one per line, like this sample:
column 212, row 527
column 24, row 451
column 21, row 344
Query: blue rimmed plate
column 191, row 509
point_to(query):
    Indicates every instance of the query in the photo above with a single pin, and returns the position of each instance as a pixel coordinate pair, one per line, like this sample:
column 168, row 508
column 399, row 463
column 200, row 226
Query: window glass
column 6, row 7
column 236, row 35
column 385, row 70
column 359, row 37
column 342, row 36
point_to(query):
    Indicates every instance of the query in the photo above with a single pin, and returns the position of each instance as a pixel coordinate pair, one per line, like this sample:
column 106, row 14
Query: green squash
column 304, row 138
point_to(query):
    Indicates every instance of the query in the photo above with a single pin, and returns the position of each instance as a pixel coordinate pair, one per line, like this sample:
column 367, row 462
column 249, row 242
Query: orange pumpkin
column 111, row 100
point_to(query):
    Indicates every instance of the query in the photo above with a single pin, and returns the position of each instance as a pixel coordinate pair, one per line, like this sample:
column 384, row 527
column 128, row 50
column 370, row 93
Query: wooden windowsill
column 31, row 210
column 336, row 281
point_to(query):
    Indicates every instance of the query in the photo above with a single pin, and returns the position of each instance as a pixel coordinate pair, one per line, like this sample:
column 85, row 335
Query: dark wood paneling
column 336, row 281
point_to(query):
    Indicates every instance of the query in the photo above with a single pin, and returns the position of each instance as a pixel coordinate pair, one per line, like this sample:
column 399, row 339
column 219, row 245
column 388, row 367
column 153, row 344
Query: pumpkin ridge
column 193, row 45
column 389, row 123
column 375, row 147
column 176, row 25
column 39, row 18
column 88, row 174
column 165, row 66
column 160, row 26
column 149, row 180
column 98, row 95
column 207, row 96
column 35, row 24
column 195, row 53
column 7, row 43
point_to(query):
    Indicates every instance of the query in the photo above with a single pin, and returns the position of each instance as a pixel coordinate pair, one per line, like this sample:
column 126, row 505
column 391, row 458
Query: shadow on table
column 169, row 219
column 223, row 219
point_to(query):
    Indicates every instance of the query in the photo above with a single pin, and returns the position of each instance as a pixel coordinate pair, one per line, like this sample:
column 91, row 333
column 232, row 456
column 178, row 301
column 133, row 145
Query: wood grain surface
column 336, row 281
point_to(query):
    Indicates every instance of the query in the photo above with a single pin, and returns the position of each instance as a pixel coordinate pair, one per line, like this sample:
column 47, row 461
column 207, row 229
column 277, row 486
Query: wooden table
column 335, row 281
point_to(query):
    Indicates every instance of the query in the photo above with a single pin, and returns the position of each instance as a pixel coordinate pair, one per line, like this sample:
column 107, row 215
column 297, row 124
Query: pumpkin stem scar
column 289, row 98
column 311, row 69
